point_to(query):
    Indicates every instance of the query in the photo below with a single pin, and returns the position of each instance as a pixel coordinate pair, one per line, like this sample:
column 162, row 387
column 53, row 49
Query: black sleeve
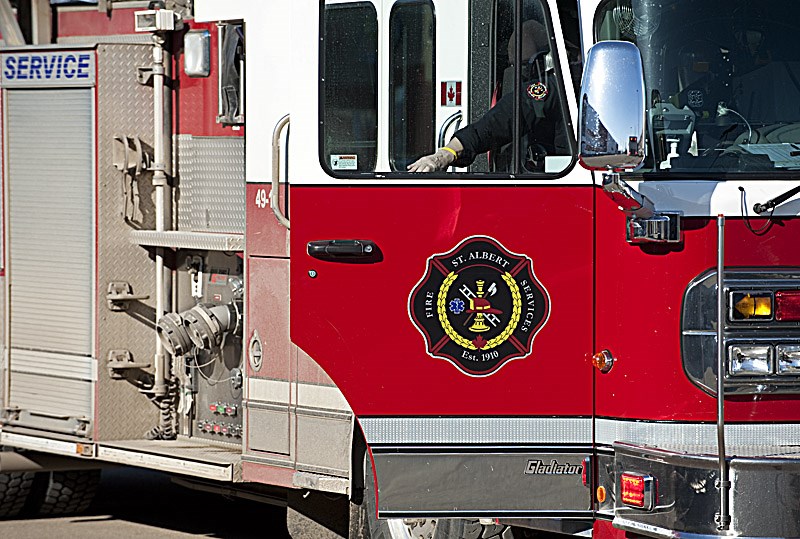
column 492, row 131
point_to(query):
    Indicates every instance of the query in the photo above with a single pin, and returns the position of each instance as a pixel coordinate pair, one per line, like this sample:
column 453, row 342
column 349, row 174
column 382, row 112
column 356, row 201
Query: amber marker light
column 603, row 361
column 787, row 305
column 601, row 494
column 751, row 305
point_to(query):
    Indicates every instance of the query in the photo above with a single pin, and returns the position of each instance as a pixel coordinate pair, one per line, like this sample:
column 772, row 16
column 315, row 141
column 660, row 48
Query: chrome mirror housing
column 612, row 109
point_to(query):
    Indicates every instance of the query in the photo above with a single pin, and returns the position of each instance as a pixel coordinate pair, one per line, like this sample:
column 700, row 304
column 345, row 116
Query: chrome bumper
column 764, row 497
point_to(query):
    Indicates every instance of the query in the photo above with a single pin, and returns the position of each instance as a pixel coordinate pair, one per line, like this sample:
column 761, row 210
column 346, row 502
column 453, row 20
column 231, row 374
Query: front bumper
column 764, row 494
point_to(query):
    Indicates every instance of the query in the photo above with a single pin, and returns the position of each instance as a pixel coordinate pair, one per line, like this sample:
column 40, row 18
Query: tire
column 365, row 524
column 15, row 487
column 66, row 493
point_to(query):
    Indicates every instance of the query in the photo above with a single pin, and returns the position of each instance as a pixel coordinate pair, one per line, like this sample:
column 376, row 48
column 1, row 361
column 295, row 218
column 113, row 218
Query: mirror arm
column 629, row 200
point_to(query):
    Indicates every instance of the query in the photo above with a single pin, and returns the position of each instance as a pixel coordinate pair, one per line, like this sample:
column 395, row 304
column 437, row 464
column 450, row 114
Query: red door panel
column 354, row 320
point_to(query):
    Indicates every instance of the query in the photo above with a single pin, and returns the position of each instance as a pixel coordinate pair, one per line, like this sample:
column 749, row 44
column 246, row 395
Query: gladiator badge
column 479, row 306
column 537, row 91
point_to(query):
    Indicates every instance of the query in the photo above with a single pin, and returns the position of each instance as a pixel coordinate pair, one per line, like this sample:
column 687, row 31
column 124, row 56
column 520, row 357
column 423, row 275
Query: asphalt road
column 133, row 503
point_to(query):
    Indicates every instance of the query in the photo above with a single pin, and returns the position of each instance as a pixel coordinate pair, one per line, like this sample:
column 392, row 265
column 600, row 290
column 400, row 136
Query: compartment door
column 50, row 254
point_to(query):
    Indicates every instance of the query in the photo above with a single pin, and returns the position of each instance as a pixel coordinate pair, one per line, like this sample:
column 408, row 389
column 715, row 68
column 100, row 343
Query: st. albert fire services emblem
column 479, row 306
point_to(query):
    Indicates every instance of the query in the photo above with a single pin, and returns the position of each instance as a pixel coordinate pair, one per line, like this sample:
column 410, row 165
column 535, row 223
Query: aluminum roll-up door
column 50, row 176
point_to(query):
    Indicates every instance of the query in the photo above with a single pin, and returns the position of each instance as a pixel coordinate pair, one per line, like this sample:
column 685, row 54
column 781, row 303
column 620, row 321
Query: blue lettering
column 69, row 72
column 11, row 68
column 83, row 66
column 22, row 67
column 36, row 67
column 49, row 66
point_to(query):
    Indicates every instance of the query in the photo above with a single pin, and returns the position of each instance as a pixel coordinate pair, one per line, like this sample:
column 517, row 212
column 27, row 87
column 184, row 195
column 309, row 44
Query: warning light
column 637, row 490
column 751, row 305
column 603, row 361
column 787, row 305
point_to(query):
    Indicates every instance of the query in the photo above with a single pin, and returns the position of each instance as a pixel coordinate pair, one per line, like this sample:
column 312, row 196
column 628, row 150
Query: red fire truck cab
column 219, row 261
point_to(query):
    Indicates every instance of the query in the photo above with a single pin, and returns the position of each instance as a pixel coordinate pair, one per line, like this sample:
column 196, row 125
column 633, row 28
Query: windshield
column 722, row 80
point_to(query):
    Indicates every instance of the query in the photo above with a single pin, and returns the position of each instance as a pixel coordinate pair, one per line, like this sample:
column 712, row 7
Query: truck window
column 423, row 88
column 231, row 74
column 722, row 80
column 546, row 146
column 411, row 97
column 350, row 83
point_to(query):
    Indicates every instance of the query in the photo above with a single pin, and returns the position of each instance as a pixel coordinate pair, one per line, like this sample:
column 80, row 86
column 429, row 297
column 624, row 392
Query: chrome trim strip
column 608, row 431
column 166, row 464
column 477, row 430
column 35, row 443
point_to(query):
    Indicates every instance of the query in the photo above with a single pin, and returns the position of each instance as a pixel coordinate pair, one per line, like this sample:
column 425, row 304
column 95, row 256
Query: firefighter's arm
column 440, row 160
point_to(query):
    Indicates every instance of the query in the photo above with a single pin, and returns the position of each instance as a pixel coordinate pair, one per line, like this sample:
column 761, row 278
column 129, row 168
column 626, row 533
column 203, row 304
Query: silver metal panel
column 59, row 396
column 53, row 365
column 485, row 430
column 189, row 240
column 50, row 179
column 512, row 483
column 124, row 108
column 267, row 430
column 211, row 183
column 317, row 443
column 673, row 435
column 95, row 40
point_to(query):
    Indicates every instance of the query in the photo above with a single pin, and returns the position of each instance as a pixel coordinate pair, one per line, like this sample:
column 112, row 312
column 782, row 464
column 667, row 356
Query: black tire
column 66, row 493
column 365, row 525
column 15, row 487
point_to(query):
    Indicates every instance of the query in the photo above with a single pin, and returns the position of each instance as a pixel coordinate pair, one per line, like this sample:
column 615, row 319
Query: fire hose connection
column 204, row 326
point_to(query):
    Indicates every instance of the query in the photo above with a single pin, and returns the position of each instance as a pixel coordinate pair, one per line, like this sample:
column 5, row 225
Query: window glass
column 722, row 80
column 231, row 62
column 411, row 85
column 350, row 87
column 546, row 140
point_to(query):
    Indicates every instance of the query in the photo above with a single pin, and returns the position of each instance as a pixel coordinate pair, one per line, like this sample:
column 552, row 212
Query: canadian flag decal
column 451, row 94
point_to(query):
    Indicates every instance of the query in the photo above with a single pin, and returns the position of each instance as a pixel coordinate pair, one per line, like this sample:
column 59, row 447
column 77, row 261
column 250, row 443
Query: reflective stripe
column 477, row 430
column 608, row 431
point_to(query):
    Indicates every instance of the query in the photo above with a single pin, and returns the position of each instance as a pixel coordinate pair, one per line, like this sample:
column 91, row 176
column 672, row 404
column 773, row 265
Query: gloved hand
column 433, row 162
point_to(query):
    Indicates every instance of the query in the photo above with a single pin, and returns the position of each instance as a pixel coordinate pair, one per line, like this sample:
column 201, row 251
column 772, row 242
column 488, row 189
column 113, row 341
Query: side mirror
column 612, row 112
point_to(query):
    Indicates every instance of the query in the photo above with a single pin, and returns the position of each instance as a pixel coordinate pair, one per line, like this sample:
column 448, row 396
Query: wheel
column 365, row 525
column 14, row 490
column 63, row 493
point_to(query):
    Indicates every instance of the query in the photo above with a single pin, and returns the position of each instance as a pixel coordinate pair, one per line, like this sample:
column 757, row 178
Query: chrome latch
column 644, row 224
column 660, row 228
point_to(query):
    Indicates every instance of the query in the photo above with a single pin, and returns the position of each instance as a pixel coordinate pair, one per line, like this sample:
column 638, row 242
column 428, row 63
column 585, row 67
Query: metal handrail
column 276, row 171
column 456, row 117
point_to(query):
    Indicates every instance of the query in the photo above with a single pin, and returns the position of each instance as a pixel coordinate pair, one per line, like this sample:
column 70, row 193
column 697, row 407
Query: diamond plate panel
column 124, row 107
column 211, row 184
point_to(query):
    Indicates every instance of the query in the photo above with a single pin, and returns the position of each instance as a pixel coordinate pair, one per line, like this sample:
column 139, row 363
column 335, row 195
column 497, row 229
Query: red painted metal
column 265, row 235
column 638, row 316
column 353, row 318
column 196, row 98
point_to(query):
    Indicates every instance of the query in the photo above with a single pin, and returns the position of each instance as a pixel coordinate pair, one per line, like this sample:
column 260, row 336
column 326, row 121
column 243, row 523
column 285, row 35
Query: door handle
column 345, row 250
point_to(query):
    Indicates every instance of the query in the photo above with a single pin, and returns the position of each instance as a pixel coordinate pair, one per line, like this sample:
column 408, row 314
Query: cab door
column 452, row 309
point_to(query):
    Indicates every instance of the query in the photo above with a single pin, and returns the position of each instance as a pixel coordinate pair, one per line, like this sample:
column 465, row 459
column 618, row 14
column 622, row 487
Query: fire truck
column 216, row 263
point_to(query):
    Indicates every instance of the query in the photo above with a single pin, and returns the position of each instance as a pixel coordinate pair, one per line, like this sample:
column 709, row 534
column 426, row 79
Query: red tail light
column 787, row 305
column 637, row 490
